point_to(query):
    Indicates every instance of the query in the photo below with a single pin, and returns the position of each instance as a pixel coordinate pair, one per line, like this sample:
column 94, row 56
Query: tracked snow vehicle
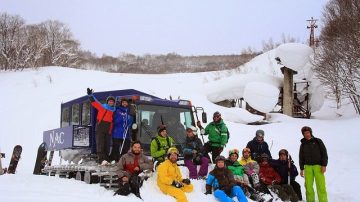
column 75, row 139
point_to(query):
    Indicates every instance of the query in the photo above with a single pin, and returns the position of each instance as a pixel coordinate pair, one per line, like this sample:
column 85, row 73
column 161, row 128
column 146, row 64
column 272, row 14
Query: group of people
column 113, row 123
column 254, row 173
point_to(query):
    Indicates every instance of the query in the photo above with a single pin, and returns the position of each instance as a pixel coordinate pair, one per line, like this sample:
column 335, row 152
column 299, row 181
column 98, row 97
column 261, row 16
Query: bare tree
column 338, row 59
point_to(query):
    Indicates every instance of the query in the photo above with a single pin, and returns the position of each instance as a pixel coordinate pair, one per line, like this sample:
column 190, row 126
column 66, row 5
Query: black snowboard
column 15, row 157
column 40, row 159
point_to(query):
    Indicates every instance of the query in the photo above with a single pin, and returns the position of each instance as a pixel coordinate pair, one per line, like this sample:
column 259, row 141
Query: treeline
column 338, row 58
column 51, row 43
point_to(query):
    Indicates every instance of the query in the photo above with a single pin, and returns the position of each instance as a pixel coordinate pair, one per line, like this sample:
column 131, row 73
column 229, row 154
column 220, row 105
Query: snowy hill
column 30, row 104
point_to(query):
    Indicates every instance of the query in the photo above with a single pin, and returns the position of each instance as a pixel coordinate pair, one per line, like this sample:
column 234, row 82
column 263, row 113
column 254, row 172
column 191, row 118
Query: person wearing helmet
column 193, row 155
column 313, row 160
column 218, row 135
column 287, row 170
column 222, row 182
column 121, row 134
column 258, row 145
column 251, row 167
column 104, row 124
column 169, row 178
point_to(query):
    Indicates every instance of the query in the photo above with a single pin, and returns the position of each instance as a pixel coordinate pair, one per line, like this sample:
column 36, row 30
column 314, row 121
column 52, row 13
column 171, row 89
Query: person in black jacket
column 313, row 160
column 285, row 167
column 258, row 146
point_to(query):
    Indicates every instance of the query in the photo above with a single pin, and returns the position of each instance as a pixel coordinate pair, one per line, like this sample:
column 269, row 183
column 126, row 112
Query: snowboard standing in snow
column 15, row 157
column 40, row 159
column 2, row 171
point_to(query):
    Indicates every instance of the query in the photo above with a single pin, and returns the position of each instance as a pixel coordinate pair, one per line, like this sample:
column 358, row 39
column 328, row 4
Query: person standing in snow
column 121, row 134
column 218, row 135
column 169, row 178
column 313, row 160
column 104, row 124
column 258, row 146
column 287, row 170
column 131, row 165
column 222, row 181
column 193, row 155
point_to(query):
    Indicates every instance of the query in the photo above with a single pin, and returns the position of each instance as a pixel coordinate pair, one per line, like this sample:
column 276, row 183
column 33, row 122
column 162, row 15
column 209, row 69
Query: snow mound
column 261, row 96
column 294, row 55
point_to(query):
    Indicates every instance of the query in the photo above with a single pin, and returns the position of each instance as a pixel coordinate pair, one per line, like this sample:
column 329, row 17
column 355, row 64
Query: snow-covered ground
column 30, row 104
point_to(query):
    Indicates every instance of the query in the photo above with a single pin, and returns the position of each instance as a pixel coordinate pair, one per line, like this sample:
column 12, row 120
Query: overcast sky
column 186, row 27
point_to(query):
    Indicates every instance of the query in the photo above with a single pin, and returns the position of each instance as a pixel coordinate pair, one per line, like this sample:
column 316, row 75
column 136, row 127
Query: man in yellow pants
column 313, row 160
column 169, row 177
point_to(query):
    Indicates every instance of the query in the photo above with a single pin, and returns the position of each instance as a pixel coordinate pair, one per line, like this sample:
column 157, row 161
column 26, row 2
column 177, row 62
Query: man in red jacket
column 104, row 122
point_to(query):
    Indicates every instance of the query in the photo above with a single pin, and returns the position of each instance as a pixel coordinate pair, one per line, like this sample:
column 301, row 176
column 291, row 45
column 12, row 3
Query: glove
column 177, row 184
column 186, row 181
column 208, row 192
column 89, row 91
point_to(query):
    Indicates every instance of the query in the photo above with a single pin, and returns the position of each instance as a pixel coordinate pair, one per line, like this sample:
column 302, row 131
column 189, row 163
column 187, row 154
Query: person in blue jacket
column 121, row 135
column 222, row 181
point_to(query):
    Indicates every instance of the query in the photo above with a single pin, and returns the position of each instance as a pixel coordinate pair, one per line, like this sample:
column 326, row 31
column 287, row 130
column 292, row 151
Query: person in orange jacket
column 104, row 122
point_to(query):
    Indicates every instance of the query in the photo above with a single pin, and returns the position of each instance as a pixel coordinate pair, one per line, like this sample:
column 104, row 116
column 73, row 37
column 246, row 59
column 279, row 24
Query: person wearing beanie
column 160, row 144
column 218, row 135
column 222, row 182
column 287, row 170
column 313, row 160
column 121, row 134
column 104, row 124
column 169, row 178
column 194, row 156
column 258, row 145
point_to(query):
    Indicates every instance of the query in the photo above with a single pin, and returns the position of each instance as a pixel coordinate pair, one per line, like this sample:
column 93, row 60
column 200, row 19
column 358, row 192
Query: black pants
column 215, row 151
column 116, row 146
column 297, row 188
column 102, row 141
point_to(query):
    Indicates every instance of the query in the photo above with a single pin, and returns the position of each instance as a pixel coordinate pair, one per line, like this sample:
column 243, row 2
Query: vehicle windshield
column 175, row 119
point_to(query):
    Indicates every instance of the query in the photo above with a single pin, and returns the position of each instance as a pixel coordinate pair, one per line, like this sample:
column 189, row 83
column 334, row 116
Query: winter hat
column 283, row 151
column 234, row 151
column 172, row 150
column 161, row 128
column 260, row 133
column 220, row 158
column 306, row 128
column 216, row 114
column 264, row 156
column 110, row 98
column 192, row 129
column 246, row 150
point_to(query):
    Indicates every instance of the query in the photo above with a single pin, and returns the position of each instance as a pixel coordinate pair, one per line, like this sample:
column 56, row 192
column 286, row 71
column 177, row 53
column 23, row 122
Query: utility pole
column 312, row 27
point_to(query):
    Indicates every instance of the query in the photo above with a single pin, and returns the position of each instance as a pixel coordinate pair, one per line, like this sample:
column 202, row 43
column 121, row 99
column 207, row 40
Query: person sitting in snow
column 258, row 146
column 104, row 124
column 270, row 178
column 218, row 135
column 169, row 178
column 237, row 169
column 130, row 166
column 284, row 165
column 251, row 167
column 193, row 155
column 160, row 144
column 222, row 181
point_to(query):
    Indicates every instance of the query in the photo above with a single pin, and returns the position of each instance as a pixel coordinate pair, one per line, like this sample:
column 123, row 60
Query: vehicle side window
column 85, row 116
column 65, row 117
column 75, row 115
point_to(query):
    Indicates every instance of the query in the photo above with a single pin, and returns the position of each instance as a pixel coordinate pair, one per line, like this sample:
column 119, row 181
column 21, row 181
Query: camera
column 2, row 155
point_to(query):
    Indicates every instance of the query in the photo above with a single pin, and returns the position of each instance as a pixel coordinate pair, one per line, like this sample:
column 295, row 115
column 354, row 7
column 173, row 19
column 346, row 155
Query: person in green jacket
column 313, row 160
column 160, row 144
column 218, row 135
